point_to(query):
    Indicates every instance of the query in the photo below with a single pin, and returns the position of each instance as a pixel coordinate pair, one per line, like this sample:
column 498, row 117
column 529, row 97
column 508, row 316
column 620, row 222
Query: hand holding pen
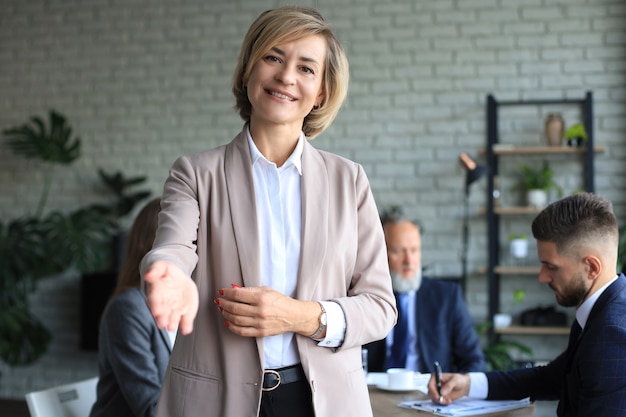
column 446, row 388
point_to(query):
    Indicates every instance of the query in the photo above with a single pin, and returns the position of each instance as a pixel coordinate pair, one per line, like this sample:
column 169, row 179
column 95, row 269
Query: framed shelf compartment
column 495, row 213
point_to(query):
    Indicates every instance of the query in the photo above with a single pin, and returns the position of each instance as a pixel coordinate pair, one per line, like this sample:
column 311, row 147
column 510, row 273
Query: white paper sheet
column 465, row 406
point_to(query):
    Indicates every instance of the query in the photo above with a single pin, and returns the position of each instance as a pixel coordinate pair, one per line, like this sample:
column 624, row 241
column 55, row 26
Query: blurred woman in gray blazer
column 132, row 351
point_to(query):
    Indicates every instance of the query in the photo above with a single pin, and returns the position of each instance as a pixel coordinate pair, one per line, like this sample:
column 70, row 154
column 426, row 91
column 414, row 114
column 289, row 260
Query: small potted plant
column 518, row 246
column 576, row 135
column 537, row 183
column 500, row 353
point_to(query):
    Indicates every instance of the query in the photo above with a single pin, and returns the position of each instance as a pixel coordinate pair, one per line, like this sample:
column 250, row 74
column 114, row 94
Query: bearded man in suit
column 434, row 323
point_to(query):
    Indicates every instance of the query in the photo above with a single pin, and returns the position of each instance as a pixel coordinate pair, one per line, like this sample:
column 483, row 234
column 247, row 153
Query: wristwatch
column 322, row 321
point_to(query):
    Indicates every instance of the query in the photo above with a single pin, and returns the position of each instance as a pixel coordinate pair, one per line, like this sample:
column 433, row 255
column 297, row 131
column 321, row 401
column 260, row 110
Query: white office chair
column 70, row 400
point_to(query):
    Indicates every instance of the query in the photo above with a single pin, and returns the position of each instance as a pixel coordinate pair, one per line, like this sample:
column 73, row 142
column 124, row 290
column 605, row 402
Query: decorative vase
column 537, row 198
column 554, row 129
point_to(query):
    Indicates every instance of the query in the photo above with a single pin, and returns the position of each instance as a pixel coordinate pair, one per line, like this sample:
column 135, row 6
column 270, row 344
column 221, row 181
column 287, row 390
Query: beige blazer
column 208, row 227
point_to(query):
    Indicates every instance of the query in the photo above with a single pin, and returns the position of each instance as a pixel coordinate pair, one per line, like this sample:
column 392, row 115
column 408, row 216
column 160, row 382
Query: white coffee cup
column 400, row 378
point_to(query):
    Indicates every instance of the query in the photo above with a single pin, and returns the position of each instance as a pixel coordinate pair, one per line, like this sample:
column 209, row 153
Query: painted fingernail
column 221, row 292
column 227, row 324
column 235, row 286
column 216, row 301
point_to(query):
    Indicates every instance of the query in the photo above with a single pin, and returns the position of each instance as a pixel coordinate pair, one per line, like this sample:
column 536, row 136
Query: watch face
column 323, row 319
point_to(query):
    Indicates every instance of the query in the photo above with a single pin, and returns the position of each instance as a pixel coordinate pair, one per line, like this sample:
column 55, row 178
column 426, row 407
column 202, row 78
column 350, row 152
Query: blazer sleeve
column 539, row 383
column 127, row 330
column 177, row 234
column 370, row 305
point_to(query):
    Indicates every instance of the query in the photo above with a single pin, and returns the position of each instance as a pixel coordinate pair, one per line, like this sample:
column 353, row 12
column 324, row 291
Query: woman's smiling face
column 286, row 82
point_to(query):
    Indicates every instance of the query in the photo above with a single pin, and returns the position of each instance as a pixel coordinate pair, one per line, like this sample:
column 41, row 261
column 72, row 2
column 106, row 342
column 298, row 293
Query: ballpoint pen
column 438, row 380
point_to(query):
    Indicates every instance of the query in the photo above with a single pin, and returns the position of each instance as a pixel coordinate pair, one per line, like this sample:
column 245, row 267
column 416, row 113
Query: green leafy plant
column 576, row 135
column 539, row 179
column 123, row 200
column 576, row 131
column 519, row 295
column 499, row 352
column 43, row 244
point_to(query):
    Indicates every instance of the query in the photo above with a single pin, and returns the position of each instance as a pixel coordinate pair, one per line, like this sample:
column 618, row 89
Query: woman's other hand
column 263, row 311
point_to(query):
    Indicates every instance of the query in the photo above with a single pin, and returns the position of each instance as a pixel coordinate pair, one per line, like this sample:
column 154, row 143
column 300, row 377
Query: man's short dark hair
column 574, row 218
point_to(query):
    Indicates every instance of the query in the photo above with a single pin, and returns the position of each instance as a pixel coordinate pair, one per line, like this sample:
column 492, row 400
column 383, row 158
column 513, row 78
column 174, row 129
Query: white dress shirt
column 278, row 204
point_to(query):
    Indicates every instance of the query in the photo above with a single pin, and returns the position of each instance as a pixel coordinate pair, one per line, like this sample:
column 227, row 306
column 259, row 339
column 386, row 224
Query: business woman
column 132, row 351
column 269, row 253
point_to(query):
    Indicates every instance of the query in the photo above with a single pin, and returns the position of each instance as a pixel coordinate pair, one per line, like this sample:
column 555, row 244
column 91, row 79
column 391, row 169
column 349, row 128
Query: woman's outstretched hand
column 172, row 296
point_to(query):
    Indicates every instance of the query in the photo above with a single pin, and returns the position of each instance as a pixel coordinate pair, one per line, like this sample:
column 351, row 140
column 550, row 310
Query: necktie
column 400, row 334
column 574, row 335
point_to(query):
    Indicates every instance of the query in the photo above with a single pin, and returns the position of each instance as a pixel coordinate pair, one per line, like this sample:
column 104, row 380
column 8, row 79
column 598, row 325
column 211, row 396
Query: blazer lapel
column 315, row 199
column 163, row 332
column 166, row 339
column 612, row 291
column 240, row 189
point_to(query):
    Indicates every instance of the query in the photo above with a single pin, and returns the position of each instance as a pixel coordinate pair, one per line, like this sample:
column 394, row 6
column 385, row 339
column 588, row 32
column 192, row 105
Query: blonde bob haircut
column 286, row 24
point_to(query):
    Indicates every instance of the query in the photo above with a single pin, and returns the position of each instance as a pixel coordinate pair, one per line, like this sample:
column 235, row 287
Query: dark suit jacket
column 132, row 358
column 589, row 379
column 445, row 332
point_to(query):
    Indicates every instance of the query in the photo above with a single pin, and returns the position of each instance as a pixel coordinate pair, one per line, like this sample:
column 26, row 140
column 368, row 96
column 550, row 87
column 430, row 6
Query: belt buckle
column 273, row 372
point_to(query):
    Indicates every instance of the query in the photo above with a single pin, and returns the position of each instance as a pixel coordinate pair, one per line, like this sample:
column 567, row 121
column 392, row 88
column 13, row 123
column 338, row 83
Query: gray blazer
column 132, row 358
column 208, row 227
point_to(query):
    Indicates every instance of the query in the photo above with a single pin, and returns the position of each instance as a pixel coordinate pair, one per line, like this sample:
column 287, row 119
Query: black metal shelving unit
column 492, row 159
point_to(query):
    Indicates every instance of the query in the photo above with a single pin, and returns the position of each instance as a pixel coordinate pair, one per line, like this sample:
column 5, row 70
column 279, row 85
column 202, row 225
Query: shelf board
column 511, row 211
column 533, row 330
column 512, row 270
column 539, row 150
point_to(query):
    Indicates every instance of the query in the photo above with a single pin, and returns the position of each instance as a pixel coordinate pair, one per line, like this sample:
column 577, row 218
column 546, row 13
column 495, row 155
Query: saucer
column 380, row 380
column 386, row 387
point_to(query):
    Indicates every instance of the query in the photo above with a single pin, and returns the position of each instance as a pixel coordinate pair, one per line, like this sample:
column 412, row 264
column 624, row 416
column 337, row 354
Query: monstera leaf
column 55, row 144
column 23, row 339
column 79, row 240
column 32, row 247
column 124, row 199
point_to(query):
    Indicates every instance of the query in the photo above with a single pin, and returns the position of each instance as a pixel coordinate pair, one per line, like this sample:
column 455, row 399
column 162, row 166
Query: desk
column 385, row 404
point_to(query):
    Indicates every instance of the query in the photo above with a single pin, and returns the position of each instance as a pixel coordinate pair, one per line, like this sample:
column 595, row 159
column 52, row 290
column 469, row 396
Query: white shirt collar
column 582, row 312
column 294, row 159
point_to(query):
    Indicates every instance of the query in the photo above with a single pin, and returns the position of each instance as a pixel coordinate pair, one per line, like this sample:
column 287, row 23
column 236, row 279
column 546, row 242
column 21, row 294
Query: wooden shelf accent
column 548, row 330
column 531, row 270
column 511, row 270
column 512, row 211
column 539, row 150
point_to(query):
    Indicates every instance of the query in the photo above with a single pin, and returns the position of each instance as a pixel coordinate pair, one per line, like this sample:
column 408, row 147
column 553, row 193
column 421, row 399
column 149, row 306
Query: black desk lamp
column 473, row 172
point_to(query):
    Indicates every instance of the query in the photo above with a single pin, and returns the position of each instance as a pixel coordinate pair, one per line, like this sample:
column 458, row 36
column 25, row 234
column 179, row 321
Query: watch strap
column 322, row 324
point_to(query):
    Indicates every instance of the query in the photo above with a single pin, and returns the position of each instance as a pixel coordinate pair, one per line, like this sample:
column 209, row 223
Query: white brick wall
column 143, row 82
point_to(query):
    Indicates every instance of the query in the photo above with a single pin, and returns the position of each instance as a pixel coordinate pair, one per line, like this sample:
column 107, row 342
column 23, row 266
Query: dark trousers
column 288, row 400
